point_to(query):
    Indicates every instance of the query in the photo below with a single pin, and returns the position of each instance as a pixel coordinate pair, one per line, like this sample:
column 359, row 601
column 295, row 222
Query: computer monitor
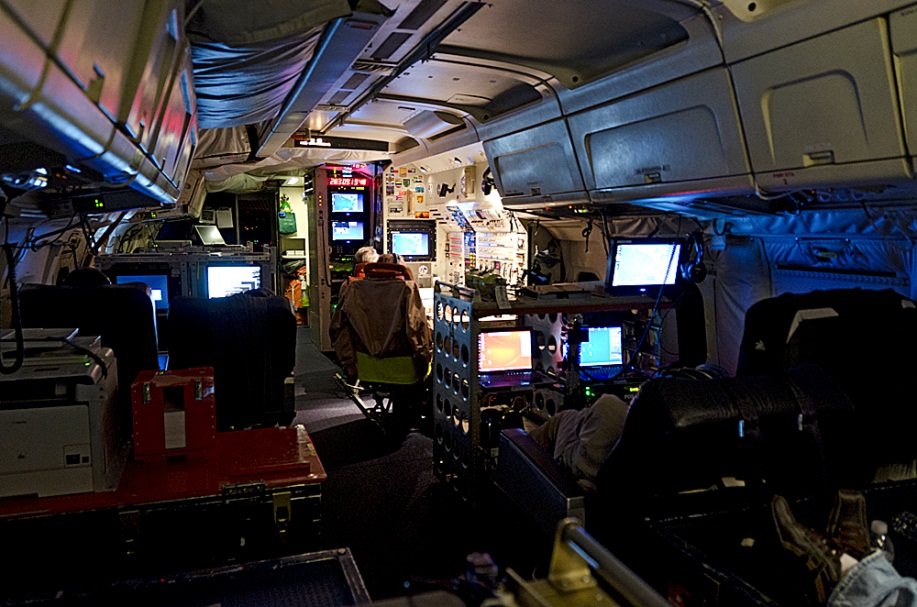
column 640, row 266
column 411, row 244
column 505, row 350
column 346, row 202
column 413, row 239
column 158, row 284
column 226, row 280
column 604, row 348
column 209, row 234
column 346, row 230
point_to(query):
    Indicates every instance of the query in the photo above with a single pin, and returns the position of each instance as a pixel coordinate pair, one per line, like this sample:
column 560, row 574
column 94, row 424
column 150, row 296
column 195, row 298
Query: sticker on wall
column 418, row 188
column 404, row 171
column 420, row 200
column 406, row 183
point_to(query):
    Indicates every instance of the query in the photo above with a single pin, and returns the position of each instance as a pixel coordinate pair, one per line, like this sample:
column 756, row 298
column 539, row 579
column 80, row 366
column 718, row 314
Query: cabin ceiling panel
column 570, row 40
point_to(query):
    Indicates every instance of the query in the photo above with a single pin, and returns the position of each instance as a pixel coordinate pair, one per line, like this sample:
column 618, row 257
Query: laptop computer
column 602, row 357
column 505, row 358
column 209, row 235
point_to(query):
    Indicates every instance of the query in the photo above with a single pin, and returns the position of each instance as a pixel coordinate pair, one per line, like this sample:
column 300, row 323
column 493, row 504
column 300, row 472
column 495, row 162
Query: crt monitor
column 226, row 280
column 158, row 283
column 346, row 230
column 506, row 350
column 346, row 202
column 642, row 265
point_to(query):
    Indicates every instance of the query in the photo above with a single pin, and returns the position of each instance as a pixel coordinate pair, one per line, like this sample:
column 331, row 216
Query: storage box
column 174, row 413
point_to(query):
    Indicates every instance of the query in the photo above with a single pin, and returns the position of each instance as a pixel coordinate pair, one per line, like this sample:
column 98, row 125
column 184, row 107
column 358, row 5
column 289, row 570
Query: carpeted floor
column 405, row 529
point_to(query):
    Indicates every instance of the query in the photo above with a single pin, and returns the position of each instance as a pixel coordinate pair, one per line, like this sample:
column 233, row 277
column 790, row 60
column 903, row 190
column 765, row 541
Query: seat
column 250, row 341
column 384, row 344
column 124, row 316
column 863, row 338
column 682, row 437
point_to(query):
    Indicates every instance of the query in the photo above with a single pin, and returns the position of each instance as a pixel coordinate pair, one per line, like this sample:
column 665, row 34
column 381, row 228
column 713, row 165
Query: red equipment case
column 174, row 413
column 255, row 495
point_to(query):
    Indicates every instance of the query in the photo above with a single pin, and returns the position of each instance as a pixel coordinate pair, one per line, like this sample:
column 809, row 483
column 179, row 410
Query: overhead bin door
column 904, row 45
column 685, row 131
column 823, row 112
column 536, row 166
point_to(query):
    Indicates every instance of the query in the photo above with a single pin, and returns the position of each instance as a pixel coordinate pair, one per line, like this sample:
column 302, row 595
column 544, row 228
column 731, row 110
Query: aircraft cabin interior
column 458, row 302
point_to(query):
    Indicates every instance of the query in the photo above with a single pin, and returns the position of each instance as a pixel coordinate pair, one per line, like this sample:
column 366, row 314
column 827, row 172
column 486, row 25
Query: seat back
column 250, row 342
column 790, row 432
column 380, row 330
column 124, row 317
column 863, row 339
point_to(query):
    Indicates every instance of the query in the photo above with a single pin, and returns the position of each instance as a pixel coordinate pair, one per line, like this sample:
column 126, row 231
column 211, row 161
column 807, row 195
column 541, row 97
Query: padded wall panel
column 536, row 163
column 823, row 111
column 687, row 130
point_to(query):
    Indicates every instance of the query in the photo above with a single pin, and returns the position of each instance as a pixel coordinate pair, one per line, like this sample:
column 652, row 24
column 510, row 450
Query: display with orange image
column 505, row 351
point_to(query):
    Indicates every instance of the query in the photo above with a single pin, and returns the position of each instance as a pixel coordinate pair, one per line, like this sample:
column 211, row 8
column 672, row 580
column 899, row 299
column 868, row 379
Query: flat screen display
column 346, row 230
column 646, row 264
column 411, row 243
column 209, row 234
column 158, row 283
column 603, row 348
column 505, row 351
column 223, row 281
column 346, row 202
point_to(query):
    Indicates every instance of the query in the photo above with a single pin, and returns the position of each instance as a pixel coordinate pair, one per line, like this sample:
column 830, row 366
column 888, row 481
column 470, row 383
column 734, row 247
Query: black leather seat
column 250, row 341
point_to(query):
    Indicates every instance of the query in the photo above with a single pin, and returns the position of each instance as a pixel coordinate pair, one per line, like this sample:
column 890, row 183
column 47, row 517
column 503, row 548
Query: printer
column 59, row 431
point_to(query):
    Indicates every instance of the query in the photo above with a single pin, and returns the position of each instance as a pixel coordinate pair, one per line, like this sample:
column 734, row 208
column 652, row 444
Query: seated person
column 363, row 256
column 582, row 439
column 395, row 259
column 837, row 564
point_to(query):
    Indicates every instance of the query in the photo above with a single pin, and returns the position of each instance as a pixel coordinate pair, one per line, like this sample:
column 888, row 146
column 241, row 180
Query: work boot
column 848, row 529
column 818, row 566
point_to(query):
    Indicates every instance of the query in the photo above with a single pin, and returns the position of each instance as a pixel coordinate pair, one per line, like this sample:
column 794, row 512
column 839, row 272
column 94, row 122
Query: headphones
column 487, row 182
column 693, row 269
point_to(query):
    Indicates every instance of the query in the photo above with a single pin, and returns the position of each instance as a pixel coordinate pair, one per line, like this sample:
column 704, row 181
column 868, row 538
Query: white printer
column 59, row 431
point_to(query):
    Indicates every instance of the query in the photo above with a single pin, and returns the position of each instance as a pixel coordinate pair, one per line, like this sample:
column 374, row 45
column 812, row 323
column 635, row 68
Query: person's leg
column 546, row 434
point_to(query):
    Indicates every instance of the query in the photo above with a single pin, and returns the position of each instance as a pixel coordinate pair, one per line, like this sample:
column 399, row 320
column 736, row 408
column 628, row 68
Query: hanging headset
column 487, row 182
column 694, row 269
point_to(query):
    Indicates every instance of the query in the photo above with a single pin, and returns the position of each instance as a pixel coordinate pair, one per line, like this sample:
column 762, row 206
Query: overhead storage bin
column 90, row 85
column 903, row 27
column 663, row 140
column 536, row 167
column 824, row 112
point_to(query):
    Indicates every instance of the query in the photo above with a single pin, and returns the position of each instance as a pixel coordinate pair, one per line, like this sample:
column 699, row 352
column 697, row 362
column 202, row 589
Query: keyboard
column 600, row 373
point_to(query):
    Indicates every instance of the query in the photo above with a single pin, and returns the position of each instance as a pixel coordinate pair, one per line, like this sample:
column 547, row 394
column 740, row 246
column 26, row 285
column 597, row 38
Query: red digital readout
column 348, row 181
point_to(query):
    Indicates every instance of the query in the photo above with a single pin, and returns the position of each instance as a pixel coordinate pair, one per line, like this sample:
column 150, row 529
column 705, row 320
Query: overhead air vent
column 390, row 45
column 371, row 67
column 421, row 14
column 354, row 82
column 339, row 98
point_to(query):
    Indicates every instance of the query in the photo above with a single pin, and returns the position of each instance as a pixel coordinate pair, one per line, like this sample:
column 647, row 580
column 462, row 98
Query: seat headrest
column 379, row 270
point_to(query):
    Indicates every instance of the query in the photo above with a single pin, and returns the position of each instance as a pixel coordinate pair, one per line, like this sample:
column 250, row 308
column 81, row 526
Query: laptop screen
column 603, row 348
column 638, row 266
column 505, row 351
